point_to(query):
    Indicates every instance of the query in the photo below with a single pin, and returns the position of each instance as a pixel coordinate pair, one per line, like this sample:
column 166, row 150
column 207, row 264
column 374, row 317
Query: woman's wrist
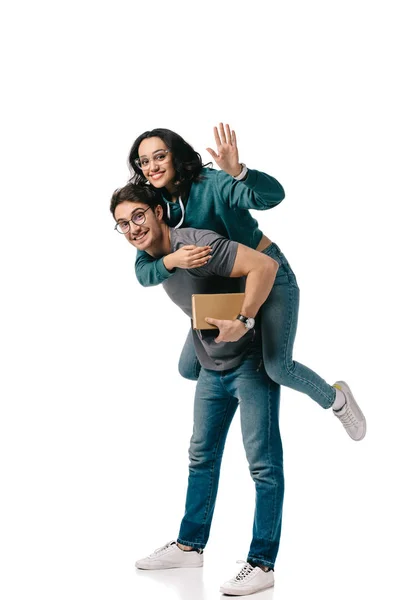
column 243, row 173
column 168, row 261
column 236, row 172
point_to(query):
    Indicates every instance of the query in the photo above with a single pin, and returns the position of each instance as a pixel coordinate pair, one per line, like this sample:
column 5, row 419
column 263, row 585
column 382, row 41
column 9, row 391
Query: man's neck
column 162, row 246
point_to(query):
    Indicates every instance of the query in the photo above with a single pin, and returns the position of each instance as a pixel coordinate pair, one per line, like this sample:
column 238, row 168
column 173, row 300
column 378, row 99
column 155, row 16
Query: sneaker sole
column 345, row 388
column 242, row 592
column 155, row 568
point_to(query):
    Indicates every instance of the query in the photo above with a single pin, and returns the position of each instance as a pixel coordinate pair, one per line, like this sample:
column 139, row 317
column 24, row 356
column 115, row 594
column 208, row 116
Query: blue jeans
column 218, row 393
column 278, row 330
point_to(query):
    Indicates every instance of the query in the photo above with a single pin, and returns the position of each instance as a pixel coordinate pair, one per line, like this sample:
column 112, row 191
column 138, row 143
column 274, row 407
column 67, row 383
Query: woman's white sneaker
column 350, row 415
column 249, row 580
column 171, row 556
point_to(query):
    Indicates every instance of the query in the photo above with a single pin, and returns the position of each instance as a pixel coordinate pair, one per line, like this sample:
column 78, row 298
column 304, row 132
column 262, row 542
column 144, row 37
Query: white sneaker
column 171, row 556
column 350, row 414
column 249, row 580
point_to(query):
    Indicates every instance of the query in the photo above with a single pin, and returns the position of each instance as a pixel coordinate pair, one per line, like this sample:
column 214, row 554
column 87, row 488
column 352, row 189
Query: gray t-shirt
column 212, row 278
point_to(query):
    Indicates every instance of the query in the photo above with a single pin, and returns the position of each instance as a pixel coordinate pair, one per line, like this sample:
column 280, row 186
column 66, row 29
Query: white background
column 95, row 420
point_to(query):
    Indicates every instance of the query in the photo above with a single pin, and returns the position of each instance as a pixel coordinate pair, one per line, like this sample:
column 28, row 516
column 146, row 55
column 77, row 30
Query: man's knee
column 270, row 472
column 202, row 455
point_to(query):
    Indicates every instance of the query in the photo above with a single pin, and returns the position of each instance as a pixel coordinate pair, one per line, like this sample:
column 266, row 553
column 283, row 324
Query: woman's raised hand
column 227, row 155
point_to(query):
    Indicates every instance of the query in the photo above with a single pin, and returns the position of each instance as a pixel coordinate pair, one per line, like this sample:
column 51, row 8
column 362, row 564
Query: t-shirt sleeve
column 223, row 254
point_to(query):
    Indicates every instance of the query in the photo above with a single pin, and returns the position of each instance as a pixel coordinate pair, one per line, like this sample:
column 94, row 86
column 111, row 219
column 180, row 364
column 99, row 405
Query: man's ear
column 159, row 212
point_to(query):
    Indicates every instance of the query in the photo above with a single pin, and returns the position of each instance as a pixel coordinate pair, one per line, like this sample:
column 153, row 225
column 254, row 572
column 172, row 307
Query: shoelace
column 347, row 418
column 162, row 548
column 244, row 571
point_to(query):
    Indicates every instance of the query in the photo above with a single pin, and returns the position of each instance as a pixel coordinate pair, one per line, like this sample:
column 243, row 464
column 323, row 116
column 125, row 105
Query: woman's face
column 157, row 165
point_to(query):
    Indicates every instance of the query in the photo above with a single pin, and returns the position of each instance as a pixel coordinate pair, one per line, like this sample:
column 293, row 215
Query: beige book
column 216, row 306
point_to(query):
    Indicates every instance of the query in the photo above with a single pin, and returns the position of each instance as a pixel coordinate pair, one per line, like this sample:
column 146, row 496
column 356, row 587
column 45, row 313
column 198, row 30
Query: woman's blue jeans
column 279, row 315
column 218, row 393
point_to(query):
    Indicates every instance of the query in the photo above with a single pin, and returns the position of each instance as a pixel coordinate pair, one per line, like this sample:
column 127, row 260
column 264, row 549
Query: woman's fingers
column 201, row 251
column 200, row 256
column 223, row 136
column 228, row 134
column 200, row 262
column 213, row 154
column 222, row 132
column 220, row 139
column 216, row 137
column 193, row 250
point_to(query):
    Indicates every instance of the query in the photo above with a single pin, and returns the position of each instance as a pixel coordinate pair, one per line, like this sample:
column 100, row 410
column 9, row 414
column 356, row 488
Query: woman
column 204, row 198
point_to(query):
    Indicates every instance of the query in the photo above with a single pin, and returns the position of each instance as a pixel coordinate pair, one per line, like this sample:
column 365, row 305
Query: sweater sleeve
column 150, row 271
column 259, row 190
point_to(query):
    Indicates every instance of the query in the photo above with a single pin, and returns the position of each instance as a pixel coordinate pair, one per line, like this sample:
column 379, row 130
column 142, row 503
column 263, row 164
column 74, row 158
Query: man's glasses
column 138, row 218
column 158, row 158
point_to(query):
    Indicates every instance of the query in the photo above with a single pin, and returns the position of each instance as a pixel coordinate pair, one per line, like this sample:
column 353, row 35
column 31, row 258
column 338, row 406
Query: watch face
column 250, row 323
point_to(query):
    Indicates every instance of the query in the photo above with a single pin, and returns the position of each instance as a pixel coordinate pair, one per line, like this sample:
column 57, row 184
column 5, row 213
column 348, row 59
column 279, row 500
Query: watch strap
column 242, row 318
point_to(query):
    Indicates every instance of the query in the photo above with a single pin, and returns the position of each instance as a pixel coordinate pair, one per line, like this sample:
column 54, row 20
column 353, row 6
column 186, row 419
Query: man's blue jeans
column 218, row 393
column 278, row 331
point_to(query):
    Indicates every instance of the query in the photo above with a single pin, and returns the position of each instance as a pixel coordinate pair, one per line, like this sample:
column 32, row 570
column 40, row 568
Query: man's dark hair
column 136, row 193
column 186, row 161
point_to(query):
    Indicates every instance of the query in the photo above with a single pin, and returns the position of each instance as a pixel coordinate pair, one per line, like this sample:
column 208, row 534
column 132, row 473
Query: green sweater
column 220, row 203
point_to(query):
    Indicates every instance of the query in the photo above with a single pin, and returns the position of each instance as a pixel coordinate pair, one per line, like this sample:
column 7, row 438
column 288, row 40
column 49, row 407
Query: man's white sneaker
column 171, row 556
column 249, row 580
column 350, row 414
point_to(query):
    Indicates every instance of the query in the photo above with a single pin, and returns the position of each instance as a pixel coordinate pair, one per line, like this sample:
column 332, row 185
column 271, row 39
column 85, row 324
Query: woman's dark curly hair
column 186, row 161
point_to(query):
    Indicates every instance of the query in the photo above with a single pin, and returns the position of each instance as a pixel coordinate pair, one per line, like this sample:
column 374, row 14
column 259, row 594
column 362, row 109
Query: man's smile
column 139, row 236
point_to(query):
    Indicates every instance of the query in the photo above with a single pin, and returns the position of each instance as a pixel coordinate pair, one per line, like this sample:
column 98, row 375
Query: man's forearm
column 260, row 272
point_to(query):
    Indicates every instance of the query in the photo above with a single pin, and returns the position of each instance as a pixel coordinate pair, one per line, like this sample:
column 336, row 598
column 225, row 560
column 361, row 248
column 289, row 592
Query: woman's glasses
column 158, row 158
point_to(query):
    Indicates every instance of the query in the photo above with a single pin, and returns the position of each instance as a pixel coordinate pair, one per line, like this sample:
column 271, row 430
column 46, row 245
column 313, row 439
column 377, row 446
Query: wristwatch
column 248, row 322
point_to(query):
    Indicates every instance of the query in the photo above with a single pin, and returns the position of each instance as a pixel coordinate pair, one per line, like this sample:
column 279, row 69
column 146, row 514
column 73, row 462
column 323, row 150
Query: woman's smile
column 157, row 175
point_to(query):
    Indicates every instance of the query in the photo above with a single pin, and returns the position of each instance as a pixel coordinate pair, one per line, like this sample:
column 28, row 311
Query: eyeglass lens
column 158, row 158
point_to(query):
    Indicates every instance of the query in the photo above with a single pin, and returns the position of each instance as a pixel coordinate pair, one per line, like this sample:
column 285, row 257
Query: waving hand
column 227, row 154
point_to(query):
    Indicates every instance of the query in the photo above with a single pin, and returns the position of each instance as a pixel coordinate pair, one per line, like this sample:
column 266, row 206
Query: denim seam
column 273, row 468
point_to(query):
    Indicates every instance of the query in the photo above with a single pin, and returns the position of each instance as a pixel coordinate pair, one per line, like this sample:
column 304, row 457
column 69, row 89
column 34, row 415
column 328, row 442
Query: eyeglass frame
column 128, row 221
column 137, row 160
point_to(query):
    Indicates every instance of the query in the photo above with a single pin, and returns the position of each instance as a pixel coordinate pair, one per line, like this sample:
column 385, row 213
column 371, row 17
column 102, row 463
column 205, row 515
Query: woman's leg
column 279, row 323
column 189, row 366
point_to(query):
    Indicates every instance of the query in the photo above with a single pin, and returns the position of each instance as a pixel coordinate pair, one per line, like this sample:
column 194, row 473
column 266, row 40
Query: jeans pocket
column 285, row 273
column 273, row 252
column 253, row 359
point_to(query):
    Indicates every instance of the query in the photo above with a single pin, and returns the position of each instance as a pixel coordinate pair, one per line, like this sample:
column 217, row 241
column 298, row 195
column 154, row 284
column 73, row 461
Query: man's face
column 146, row 235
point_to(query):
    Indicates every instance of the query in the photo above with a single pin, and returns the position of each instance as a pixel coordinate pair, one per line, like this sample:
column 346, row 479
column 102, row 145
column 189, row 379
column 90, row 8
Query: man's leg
column 259, row 414
column 214, row 409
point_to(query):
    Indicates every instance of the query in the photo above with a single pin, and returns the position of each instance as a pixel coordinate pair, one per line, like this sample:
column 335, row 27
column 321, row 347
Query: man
column 232, row 371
